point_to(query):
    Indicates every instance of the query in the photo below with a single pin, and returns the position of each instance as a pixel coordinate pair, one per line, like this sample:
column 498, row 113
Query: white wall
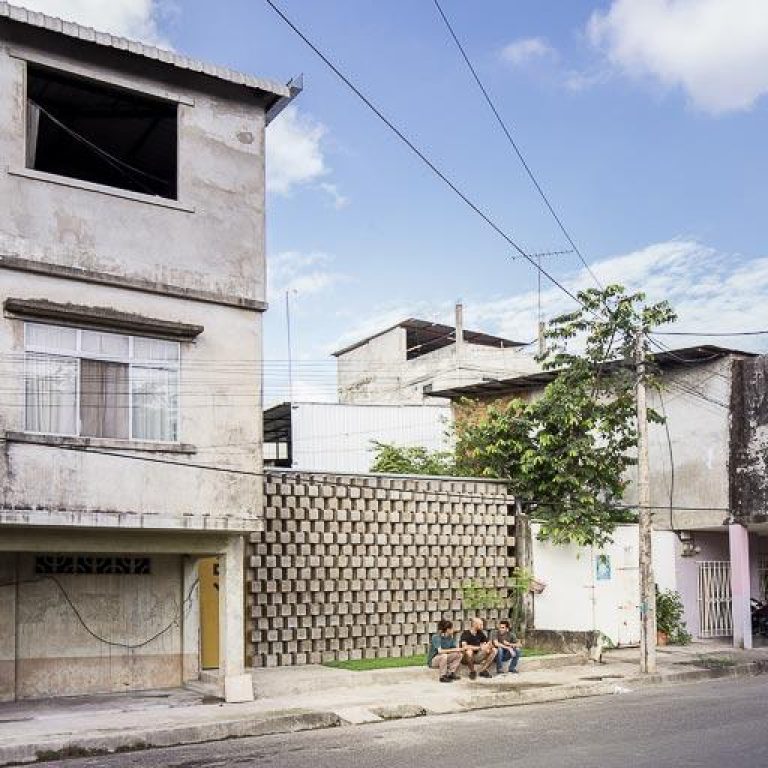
column 333, row 437
column 574, row 599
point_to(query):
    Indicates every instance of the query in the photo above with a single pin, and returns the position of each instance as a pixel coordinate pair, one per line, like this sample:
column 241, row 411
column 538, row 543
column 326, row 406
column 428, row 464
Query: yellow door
column 208, row 573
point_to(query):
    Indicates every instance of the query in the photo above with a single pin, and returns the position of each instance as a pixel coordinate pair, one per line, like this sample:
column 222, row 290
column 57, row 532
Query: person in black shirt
column 477, row 649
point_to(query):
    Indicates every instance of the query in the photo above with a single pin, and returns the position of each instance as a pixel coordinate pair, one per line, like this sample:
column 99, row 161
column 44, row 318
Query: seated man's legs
column 468, row 657
column 486, row 657
column 440, row 662
column 516, row 654
column 501, row 657
column 454, row 662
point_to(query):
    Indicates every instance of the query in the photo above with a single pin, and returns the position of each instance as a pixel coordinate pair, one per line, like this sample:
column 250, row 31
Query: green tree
column 568, row 451
column 412, row 460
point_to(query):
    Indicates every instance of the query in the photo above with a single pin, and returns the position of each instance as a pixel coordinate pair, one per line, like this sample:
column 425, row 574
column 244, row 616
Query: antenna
column 539, row 312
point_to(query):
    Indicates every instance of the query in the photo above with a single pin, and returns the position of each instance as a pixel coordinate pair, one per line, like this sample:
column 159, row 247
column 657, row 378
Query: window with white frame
column 97, row 384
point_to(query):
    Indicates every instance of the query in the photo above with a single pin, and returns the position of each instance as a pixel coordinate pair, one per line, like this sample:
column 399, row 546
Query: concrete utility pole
column 647, row 581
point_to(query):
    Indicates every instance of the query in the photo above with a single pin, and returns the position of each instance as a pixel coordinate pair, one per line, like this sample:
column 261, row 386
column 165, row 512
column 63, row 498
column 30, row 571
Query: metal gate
column 715, row 619
column 762, row 575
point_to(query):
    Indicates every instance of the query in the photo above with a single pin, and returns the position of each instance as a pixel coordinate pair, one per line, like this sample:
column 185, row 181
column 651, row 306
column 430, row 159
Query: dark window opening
column 96, row 133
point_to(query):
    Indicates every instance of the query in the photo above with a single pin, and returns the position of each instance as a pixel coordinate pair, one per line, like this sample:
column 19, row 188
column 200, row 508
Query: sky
column 643, row 120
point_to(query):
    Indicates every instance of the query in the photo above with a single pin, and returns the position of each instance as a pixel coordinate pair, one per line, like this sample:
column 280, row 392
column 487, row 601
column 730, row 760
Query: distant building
column 406, row 362
column 709, row 483
column 340, row 437
column 133, row 282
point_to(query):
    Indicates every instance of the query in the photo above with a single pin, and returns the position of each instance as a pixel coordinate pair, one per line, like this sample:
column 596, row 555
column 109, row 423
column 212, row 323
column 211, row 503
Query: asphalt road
column 717, row 723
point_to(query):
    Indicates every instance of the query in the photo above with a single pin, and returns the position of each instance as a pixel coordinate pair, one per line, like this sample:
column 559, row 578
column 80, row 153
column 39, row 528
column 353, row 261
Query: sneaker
column 454, row 676
column 514, row 671
column 472, row 675
column 445, row 679
column 485, row 673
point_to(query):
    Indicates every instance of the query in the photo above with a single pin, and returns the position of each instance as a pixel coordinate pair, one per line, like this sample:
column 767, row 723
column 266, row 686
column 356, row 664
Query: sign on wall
column 603, row 567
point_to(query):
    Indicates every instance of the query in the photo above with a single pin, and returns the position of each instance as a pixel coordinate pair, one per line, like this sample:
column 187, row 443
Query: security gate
column 715, row 619
column 762, row 575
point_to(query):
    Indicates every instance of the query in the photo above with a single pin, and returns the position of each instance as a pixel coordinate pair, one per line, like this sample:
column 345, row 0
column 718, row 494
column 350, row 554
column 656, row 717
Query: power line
column 337, row 483
column 709, row 333
column 424, row 159
column 513, row 143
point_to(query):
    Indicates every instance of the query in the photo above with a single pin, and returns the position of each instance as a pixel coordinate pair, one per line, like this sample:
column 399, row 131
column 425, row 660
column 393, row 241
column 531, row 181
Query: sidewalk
column 301, row 698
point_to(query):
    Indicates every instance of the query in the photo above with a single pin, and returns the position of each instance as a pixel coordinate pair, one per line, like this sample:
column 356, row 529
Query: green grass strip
column 419, row 660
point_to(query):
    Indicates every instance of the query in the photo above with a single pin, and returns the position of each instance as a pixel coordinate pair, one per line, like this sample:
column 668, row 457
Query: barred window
column 94, row 565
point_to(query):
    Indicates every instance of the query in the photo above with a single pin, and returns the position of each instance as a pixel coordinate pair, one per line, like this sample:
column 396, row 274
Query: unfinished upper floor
column 127, row 165
column 406, row 362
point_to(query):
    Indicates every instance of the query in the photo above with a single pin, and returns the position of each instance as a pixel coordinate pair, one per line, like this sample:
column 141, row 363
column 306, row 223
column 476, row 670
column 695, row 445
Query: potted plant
column 670, row 627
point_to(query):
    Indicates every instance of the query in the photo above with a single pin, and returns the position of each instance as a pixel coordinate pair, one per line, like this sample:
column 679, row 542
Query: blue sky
column 645, row 121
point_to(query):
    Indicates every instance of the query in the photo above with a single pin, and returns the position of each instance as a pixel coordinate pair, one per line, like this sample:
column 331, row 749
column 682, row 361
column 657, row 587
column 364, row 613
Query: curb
column 612, row 687
column 172, row 736
column 300, row 720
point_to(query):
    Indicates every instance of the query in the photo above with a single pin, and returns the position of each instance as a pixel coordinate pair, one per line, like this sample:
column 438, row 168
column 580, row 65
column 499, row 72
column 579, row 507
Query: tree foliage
column 413, row 460
column 567, row 452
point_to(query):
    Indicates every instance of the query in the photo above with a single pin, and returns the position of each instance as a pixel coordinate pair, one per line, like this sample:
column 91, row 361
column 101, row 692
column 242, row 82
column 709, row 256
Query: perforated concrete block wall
column 351, row 567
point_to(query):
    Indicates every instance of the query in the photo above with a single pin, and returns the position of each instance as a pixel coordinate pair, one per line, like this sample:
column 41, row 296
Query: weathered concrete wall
column 379, row 371
column 749, row 441
column 352, row 567
column 219, row 402
column 57, row 656
column 213, row 241
column 158, row 255
column 699, row 432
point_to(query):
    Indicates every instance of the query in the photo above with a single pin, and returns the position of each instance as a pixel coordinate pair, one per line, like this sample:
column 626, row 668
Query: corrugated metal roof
column 90, row 35
column 437, row 332
column 670, row 359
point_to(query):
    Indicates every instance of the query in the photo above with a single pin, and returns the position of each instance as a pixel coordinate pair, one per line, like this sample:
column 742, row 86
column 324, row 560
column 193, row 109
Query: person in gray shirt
column 508, row 648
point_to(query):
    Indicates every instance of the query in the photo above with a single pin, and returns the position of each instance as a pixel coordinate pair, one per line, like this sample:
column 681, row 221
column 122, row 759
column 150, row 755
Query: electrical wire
column 709, row 333
column 671, row 465
column 514, row 144
column 420, row 154
column 95, row 635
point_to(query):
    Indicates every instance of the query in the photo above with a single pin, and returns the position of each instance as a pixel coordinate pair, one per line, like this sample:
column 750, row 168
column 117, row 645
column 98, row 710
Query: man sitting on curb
column 477, row 649
column 507, row 647
column 444, row 653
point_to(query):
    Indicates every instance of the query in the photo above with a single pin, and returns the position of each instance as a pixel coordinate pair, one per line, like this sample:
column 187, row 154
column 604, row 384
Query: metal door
column 208, row 573
column 715, row 618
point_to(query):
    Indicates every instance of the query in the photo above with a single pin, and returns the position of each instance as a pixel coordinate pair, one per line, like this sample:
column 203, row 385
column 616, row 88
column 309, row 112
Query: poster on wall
column 603, row 567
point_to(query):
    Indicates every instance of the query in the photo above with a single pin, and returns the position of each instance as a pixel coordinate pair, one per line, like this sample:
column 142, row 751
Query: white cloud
column 306, row 274
column 294, row 152
column 715, row 50
column 526, row 49
column 135, row 19
column 338, row 200
column 710, row 290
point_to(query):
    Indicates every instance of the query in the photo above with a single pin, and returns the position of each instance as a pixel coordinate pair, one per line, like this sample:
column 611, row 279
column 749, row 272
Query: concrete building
column 341, row 437
column 405, row 363
column 708, row 480
column 132, row 263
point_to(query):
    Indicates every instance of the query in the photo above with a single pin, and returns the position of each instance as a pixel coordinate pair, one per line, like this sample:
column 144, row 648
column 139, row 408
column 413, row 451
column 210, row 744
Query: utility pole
column 290, row 346
column 647, row 581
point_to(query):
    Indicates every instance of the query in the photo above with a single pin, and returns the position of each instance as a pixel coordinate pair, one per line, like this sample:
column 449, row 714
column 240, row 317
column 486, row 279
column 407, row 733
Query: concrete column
column 238, row 685
column 190, row 621
column 738, row 541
